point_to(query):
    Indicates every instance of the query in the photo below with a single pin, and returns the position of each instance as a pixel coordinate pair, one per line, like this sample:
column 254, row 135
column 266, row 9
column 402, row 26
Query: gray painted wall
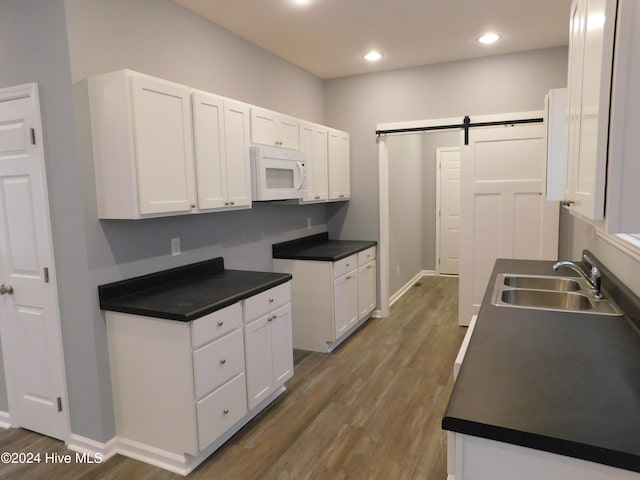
column 498, row 84
column 576, row 235
column 405, row 209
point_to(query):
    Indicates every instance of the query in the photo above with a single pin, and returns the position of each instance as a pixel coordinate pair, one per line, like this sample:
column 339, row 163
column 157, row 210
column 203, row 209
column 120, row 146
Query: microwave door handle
column 301, row 175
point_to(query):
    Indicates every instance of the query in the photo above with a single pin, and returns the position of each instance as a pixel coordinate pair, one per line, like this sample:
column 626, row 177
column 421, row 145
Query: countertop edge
column 568, row 448
column 292, row 255
column 242, row 295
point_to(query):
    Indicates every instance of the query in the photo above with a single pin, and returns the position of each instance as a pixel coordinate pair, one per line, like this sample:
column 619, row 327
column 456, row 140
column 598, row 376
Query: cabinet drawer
column 345, row 265
column 366, row 255
column 216, row 324
column 267, row 301
column 217, row 362
column 218, row 411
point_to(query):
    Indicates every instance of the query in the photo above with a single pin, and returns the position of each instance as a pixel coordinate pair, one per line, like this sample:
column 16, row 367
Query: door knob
column 6, row 289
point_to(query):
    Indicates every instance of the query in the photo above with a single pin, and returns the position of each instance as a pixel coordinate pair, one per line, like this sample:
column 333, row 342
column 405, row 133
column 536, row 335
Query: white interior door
column 504, row 211
column 29, row 318
column 449, row 212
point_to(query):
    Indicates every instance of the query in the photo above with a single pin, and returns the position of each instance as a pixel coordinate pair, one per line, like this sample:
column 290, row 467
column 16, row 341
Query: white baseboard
column 95, row 449
column 5, row 420
column 405, row 288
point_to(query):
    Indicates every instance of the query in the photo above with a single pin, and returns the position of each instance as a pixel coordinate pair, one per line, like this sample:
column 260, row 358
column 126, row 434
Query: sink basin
column 549, row 292
column 547, row 299
column 562, row 284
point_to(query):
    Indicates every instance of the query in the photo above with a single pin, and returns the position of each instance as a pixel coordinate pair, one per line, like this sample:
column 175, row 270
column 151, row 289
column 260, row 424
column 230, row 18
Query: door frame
column 383, row 182
column 439, row 151
column 30, row 90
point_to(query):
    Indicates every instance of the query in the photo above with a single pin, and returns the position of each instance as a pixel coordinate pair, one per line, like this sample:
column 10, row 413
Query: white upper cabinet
column 221, row 136
column 339, row 165
column 274, row 129
column 313, row 142
column 142, row 145
column 161, row 148
column 604, row 72
column 592, row 27
column 555, row 111
column 623, row 194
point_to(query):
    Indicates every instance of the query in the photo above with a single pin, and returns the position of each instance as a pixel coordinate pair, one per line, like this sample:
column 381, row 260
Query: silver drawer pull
column 368, row 267
column 223, row 361
column 272, row 317
column 348, row 278
column 348, row 265
column 225, row 411
column 220, row 323
column 271, row 300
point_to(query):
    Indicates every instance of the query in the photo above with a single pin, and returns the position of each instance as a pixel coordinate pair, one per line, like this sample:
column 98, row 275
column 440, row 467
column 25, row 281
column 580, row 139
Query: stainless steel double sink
column 541, row 292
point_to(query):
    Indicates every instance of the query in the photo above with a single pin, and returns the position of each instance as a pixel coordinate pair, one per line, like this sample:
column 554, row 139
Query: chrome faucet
column 593, row 277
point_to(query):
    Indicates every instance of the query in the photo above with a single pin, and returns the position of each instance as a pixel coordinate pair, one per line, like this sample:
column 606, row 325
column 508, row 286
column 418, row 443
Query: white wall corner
column 405, row 288
column 5, row 420
column 81, row 444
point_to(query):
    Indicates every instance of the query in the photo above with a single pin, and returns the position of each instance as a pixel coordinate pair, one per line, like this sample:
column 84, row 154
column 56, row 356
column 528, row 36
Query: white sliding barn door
column 504, row 211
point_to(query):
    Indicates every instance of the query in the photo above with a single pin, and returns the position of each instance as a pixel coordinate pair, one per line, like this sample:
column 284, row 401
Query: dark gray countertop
column 186, row 293
column 320, row 248
column 566, row 383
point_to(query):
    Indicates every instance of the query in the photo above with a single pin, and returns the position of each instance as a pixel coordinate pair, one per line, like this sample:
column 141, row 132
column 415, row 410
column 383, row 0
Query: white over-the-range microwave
column 278, row 173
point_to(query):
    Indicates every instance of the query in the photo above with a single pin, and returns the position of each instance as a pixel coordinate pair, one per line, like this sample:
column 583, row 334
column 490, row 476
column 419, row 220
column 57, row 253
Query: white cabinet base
column 185, row 464
column 483, row 459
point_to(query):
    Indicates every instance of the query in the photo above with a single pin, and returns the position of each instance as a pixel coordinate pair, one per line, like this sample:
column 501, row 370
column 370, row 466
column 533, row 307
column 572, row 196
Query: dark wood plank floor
column 370, row 410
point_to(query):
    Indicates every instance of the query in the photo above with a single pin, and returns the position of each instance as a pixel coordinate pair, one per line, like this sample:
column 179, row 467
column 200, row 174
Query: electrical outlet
column 175, row 246
column 309, row 222
column 398, row 270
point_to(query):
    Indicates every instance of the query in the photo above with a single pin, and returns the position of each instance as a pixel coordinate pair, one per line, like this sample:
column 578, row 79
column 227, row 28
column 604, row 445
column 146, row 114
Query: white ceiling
column 329, row 37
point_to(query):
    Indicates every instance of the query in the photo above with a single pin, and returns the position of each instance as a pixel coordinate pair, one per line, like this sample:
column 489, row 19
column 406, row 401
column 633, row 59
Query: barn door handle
column 6, row 289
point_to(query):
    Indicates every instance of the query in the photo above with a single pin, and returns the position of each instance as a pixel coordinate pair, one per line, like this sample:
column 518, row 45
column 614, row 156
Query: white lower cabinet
column 330, row 299
column 268, row 350
column 345, row 302
column 181, row 389
column 483, row 459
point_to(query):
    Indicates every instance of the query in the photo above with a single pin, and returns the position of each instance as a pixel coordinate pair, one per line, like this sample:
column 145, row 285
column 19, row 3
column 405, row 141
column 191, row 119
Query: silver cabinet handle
column 270, row 300
column 233, row 203
column 567, row 203
column 225, row 411
column 226, row 204
column 193, row 205
column 220, row 323
column 6, row 289
column 223, row 361
column 341, row 196
column 317, row 197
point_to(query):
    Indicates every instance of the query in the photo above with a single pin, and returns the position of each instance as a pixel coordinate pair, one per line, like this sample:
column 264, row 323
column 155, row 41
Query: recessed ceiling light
column 489, row 38
column 301, row 2
column 373, row 56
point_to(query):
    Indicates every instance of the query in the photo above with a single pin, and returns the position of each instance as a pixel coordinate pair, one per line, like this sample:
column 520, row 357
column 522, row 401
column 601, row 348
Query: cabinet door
column 288, row 132
column 281, row 345
column 273, row 129
column 236, row 117
column 339, row 166
column 257, row 346
column 210, row 154
column 345, row 296
column 313, row 142
column 591, row 55
column 164, row 146
column 366, row 289
column 263, row 127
